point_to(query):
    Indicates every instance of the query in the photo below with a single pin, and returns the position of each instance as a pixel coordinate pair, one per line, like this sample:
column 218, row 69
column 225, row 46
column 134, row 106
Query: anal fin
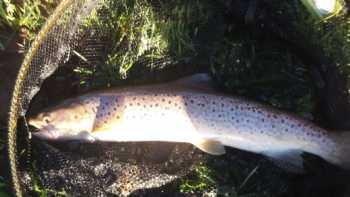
column 290, row 160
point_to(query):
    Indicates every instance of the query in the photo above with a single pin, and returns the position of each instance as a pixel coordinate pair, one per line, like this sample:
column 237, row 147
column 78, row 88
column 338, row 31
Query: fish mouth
column 35, row 123
column 45, row 135
column 42, row 131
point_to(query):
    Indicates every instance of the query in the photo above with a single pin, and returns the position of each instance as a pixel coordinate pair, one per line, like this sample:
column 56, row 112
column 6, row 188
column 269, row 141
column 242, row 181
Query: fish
column 190, row 110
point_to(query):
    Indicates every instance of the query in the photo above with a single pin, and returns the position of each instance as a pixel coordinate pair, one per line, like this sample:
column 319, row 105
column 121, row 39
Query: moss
column 201, row 182
column 40, row 190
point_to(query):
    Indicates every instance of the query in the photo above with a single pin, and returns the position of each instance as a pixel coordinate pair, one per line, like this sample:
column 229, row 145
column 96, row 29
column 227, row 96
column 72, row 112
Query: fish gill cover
column 270, row 51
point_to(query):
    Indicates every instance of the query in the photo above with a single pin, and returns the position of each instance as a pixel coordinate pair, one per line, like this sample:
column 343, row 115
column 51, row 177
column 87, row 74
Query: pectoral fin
column 100, row 128
column 211, row 146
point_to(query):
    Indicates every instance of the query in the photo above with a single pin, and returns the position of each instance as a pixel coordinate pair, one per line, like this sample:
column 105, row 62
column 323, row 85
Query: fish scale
column 186, row 111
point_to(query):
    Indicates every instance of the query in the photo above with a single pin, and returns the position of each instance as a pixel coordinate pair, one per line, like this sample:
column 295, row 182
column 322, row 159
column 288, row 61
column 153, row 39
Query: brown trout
column 189, row 111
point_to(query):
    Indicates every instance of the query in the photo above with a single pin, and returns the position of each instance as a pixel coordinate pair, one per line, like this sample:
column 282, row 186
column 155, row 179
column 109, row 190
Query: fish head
column 61, row 123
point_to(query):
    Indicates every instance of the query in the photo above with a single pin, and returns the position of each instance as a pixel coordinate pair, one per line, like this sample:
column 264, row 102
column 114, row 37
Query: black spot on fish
column 214, row 103
column 231, row 109
column 109, row 113
column 213, row 110
column 273, row 126
column 282, row 121
column 219, row 115
column 222, row 105
column 130, row 104
column 134, row 98
column 118, row 117
column 191, row 101
column 114, row 108
column 105, row 121
column 156, row 104
column 163, row 100
column 169, row 102
column 138, row 104
column 185, row 103
column 76, row 117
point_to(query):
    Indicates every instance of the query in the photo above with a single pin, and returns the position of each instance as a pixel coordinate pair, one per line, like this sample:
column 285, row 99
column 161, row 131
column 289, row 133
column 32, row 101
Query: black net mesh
column 92, row 44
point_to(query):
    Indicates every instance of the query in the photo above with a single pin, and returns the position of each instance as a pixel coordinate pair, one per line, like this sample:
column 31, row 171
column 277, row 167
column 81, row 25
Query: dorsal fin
column 200, row 81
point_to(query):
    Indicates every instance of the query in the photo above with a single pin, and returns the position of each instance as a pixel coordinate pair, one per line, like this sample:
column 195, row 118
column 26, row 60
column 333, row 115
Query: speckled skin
column 180, row 114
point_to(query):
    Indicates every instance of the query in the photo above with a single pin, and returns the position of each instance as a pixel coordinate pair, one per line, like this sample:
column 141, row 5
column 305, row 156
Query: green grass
column 142, row 33
column 25, row 18
column 234, row 176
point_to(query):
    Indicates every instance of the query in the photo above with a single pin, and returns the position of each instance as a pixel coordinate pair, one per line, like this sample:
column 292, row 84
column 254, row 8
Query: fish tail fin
column 341, row 154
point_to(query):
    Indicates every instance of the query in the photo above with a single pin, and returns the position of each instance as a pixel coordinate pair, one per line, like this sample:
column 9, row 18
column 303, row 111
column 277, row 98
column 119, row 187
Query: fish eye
column 46, row 119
